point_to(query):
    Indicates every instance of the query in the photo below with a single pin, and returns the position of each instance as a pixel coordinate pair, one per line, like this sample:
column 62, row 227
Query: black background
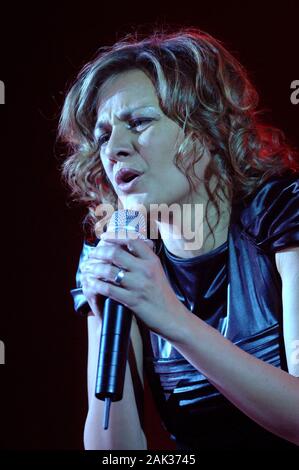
column 43, row 383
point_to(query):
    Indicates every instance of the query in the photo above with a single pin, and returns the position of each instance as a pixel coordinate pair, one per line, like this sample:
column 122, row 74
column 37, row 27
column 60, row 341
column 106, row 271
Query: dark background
column 43, row 383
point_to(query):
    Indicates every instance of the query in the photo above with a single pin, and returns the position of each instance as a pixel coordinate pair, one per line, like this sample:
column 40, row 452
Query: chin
column 132, row 201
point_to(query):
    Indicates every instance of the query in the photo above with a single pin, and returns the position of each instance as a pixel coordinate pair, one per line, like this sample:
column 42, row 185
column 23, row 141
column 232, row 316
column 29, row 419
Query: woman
column 218, row 338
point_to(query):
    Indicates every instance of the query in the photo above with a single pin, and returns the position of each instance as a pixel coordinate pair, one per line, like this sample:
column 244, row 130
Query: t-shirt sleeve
column 271, row 220
column 81, row 305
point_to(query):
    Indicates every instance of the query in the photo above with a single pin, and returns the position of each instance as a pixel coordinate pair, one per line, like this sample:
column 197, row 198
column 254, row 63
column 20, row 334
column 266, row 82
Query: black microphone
column 116, row 322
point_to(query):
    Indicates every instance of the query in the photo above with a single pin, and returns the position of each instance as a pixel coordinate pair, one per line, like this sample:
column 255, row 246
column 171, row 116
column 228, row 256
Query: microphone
column 116, row 323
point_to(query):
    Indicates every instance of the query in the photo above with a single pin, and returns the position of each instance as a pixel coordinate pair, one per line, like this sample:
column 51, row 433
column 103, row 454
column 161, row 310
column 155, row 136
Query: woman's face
column 136, row 134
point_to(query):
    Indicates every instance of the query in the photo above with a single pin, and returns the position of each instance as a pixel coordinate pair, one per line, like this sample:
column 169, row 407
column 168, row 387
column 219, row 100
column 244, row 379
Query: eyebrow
column 124, row 115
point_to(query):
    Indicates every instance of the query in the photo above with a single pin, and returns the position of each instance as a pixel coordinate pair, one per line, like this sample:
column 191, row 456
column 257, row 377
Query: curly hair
column 200, row 86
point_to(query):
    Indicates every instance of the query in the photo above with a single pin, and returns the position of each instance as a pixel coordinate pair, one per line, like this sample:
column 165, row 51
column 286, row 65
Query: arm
column 268, row 395
column 287, row 262
column 125, row 431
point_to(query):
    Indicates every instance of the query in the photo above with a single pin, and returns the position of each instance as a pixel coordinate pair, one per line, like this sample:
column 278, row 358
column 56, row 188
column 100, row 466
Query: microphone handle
column 113, row 352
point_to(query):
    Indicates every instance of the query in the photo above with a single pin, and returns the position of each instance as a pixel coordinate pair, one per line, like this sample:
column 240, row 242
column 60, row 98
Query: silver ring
column 119, row 277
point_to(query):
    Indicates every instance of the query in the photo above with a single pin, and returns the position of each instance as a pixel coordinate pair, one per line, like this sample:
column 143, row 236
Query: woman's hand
column 144, row 289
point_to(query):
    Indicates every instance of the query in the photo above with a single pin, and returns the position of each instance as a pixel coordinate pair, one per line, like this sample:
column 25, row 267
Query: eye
column 102, row 139
column 139, row 123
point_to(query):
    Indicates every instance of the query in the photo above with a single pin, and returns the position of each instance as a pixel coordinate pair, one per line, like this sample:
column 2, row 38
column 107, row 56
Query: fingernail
column 130, row 247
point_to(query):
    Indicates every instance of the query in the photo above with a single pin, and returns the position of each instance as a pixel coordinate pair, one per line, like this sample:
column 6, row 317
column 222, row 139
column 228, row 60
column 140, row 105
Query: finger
column 115, row 254
column 112, row 291
column 126, row 241
column 106, row 272
column 141, row 248
column 120, row 236
column 117, row 241
column 108, row 237
column 107, row 240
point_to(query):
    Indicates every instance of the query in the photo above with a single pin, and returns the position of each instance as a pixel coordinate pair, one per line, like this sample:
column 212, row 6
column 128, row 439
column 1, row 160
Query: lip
column 120, row 176
column 127, row 187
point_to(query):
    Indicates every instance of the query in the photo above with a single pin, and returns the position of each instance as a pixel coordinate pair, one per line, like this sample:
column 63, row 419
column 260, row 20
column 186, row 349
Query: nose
column 120, row 144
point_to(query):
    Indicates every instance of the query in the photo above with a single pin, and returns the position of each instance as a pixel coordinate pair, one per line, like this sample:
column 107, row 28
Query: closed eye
column 137, row 125
column 102, row 139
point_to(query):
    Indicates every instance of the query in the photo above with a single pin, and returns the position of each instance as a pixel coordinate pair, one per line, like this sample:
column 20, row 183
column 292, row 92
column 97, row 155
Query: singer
column 171, row 118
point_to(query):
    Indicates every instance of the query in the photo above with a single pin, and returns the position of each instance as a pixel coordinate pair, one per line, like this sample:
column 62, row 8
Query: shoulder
column 271, row 217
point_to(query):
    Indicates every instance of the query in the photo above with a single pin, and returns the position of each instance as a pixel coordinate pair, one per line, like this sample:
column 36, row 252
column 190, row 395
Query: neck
column 186, row 233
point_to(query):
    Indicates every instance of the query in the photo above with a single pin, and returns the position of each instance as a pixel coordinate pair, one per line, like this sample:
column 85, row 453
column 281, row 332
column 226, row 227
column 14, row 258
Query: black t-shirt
column 236, row 288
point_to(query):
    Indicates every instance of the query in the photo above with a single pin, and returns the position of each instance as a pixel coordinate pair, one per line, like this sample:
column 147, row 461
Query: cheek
column 149, row 138
column 158, row 146
column 105, row 166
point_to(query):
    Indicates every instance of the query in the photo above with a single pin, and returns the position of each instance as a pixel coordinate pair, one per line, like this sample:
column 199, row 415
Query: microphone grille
column 128, row 223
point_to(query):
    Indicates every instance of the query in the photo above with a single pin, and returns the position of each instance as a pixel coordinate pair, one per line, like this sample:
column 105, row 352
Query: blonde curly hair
column 201, row 87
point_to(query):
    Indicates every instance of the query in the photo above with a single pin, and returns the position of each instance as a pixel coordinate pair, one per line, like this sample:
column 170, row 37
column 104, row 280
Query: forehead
column 126, row 90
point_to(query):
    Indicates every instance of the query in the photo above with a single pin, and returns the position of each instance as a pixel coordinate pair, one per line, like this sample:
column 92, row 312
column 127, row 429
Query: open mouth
column 126, row 176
